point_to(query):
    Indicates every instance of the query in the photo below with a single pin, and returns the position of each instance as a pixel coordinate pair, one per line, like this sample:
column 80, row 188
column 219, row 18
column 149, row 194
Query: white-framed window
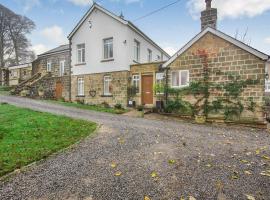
column 80, row 87
column 81, row 53
column 107, row 85
column 267, row 85
column 137, row 50
column 180, row 78
column 108, row 48
column 158, row 57
column 267, row 80
column 14, row 73
column 150, row 54
column 62, row 68
column 49, row 66
column 136, row 82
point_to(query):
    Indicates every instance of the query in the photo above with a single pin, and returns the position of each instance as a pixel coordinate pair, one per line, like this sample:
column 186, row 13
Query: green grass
column 27, row 136
column 91, row 107
column 4, row 90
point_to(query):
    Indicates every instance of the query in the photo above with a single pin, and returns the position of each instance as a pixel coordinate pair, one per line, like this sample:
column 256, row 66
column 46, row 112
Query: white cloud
column 231, row 8
column 81, row 2
column 170, row 50
column 267, row 40
column 55, row 35
column 39, row 48
column 28, row 4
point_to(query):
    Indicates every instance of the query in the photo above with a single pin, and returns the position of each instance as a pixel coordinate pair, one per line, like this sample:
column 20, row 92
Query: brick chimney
column 209, row 16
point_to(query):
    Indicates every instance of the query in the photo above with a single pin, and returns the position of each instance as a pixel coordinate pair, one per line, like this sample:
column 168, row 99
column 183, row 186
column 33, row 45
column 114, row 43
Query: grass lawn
column 27, row 136
column 4, row 90
column 91, row 107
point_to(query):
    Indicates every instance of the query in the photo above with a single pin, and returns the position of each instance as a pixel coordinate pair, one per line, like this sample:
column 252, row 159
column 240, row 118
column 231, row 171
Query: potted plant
column 40, row 91
column 159, row 91
column 132, row 91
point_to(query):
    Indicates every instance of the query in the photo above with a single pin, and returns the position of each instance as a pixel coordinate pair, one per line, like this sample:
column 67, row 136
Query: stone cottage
column 103, row 46
column 19, row 73
column 230, row 74
column 52, row 71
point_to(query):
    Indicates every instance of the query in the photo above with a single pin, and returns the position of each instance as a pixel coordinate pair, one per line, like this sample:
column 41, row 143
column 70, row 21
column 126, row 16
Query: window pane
column 175, row 78
column 184, row 77
column 79, row 56
column 83, row 55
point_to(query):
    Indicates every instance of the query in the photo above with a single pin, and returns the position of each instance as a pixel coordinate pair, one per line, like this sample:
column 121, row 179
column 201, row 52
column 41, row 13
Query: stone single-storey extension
column 19, row 73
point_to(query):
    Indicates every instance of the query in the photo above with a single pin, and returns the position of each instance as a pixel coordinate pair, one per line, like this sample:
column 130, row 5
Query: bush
column 80, row 101
column 118, row 106
column 105, row 104
column 140, row 108
column 179, row 107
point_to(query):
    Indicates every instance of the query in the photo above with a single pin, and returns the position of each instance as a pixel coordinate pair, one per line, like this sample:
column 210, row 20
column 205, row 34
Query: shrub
column 105, row 104
column 118, row 106
column 40, row 88
column 140, row 108
column 80, row 101
column 180, row 107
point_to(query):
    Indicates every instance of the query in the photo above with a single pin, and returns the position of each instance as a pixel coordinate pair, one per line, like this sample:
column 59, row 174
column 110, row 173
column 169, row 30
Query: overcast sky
column 171, row 28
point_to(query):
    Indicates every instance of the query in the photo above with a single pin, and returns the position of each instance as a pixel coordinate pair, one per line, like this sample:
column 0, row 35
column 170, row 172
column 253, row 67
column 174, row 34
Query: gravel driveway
column 158, row 159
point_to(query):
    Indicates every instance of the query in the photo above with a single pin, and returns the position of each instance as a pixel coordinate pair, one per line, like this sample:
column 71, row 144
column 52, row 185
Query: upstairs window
column 107, row 85
column 80, row 87
column 108, row 48
column 180, row 78
column 49, row 66
column 62, row 68
column 150, row 55
column 81, row 53
column 137, row 51
column 136, row 82
column 158, row 57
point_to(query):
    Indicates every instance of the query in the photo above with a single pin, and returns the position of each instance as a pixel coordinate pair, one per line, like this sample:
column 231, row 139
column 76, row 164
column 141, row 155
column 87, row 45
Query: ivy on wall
column 229, row 104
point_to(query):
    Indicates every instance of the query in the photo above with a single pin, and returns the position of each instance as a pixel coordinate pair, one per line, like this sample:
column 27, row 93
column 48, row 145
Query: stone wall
column 94, row 88
column 145, row 69
column 51, row 78
column 225, row 57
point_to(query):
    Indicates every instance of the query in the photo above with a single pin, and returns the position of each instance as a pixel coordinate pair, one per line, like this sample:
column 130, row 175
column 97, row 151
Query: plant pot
column 131, row 104
column 41, row 93
column 159, row 105
column 200, row 119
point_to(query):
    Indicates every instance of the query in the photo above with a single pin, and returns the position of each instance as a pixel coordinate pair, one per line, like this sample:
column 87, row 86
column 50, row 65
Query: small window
column 158, row 57
column 136, row 82
column 150, row 55
column 136, row 51
column 107, row 85
column 80, row 87
column 62, row 68
column 49, row 67
column 180, row 78
column 108, row 48
column 81, row 53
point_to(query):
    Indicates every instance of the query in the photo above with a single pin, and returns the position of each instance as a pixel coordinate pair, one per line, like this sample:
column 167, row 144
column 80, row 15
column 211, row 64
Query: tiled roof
column 57, row 49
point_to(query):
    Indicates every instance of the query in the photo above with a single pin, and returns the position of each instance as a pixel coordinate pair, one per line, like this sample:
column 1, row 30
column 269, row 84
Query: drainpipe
column 69, row 69
column 166, row 85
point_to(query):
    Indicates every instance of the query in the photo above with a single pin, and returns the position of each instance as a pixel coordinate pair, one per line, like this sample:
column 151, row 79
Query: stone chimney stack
column 209, row 16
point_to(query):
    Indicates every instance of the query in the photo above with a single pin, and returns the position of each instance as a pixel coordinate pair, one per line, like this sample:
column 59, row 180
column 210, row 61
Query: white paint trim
column 222, row 35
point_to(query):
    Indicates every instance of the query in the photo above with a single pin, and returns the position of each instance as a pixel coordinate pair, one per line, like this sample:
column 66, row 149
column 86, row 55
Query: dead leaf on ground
column 248, row 173
column 235, row 175
column 265, row 173
column 146, row 198
column 208, row 165
column 266, row 157
column 258, row 151
column 118, row 174
column 191, row 198
column 172, row 161
column 182, row 198
column 244, row 161
column 121, row 140
column 249, row 197
column 113, row 165
column 154, row 175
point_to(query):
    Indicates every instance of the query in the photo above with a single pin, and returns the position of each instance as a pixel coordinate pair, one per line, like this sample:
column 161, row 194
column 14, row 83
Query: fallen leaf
column 265, row 173
column 258, row 151
column 171, row 161
column 266, row 157
column 244, row 161
column 191, row 198
column 113, row 165
column 208, row 165
column 154, row 175
column 249, row 197
column 248, row 153
column 182, row 198
column 146, row 198
column 121, row 140
column 118, row 174
column 248, row 173
column 235, row 175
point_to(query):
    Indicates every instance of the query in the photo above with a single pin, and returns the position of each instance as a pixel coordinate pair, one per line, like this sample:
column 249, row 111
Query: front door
column 58, row 90
column 147, row 89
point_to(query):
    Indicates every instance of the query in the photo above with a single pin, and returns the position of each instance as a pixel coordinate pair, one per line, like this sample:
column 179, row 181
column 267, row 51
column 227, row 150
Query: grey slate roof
column 57, row 49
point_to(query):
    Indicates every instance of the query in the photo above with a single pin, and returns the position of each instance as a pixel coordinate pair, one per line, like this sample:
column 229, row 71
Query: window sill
column 80, row 96
column 79, row 64
column 107, row 60
column 107, row 95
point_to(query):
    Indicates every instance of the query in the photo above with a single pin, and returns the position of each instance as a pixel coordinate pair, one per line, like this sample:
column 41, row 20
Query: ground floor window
column 80, row 87
column 180, row 78
column 159, row 83
column 136, row 82
column 107, row 85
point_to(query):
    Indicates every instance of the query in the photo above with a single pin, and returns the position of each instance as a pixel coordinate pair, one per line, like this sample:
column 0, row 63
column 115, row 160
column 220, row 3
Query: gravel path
column 210, row 161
